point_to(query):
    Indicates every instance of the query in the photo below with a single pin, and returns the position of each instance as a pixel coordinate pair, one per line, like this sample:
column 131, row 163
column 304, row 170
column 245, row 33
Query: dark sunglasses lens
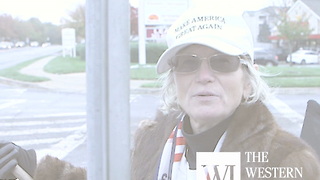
column 224, row 63
column 186, row 63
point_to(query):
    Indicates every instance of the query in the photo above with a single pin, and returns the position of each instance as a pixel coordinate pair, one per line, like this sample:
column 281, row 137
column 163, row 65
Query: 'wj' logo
column 212, row 172
column 218, row 166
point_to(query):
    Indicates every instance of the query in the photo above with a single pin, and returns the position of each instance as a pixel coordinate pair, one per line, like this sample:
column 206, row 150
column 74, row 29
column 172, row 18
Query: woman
column 214, row 101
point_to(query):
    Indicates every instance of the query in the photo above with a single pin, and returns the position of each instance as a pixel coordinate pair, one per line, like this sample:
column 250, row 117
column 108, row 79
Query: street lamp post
column 107, row 57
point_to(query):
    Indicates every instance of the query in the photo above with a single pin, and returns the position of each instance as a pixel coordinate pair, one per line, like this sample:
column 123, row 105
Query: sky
column 53, row 10
column 45, row 10
column 245, row 4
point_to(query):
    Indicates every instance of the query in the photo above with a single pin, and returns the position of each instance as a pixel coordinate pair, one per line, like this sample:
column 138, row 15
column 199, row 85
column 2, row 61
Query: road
column 55, row 122
column 9, row 57
column 289, row 109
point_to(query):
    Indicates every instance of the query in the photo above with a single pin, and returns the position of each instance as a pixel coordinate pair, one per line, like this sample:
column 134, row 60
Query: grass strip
column 292, row 71
column 143, row 72
column 280, row 76
column 14, row 72
column 293, row 81
column 155, row 84
column 65, row 65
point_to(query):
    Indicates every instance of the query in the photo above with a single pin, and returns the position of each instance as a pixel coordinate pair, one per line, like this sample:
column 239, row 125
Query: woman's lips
column 205, row 93
column 205, row 96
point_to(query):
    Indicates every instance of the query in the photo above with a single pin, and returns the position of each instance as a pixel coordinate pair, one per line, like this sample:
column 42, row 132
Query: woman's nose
column 205, row 73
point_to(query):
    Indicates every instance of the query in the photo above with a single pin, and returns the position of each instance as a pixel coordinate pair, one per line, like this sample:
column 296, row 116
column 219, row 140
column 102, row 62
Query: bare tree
column 77, row 20
column 133, row 22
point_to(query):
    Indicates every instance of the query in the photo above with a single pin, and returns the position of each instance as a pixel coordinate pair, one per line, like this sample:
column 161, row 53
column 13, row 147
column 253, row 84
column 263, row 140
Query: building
column 309, row 9
column 261, row 23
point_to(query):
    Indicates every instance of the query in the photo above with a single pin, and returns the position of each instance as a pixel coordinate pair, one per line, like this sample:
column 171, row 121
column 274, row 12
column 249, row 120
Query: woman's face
column 209, row 96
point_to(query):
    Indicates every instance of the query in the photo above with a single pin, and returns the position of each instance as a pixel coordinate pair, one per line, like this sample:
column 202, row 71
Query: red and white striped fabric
column 172, row 164
column 180, row 143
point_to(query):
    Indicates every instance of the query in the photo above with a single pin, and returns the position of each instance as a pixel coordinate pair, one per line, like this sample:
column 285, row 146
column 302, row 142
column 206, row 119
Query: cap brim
column 163, row 63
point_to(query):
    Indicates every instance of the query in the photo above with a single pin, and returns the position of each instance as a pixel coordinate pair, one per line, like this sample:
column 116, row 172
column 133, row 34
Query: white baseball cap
column 210, row 25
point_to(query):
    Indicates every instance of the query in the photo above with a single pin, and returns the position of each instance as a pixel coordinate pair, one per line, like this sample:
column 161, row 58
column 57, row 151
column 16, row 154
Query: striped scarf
column 173, row 164
column 172, row 155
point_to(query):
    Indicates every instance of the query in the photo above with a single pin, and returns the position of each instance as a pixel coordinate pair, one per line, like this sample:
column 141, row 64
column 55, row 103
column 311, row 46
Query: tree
column 77, row 20
column 52, row 33
column 6, row 26
column 264, row 33
column 31, row 30
column 133, row 22
column 37, row 30
column 293, row 31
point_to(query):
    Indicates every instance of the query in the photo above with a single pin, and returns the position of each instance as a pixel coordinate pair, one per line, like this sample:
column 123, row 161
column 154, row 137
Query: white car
column 304, row 57
column 6, row 45
column 20, row 44
column 34, row 44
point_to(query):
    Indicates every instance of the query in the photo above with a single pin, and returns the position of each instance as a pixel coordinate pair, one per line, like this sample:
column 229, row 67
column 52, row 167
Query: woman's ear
column 256, row 66
column 247, row 86
column 247, row 90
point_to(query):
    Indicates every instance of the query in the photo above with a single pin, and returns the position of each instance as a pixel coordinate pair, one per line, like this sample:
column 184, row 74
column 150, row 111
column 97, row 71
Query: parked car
column 281, row 52
column 304, row 57
column 46, row 44
column 20, row 44
column 34, row 44
column 6, row 45
column 265, row 57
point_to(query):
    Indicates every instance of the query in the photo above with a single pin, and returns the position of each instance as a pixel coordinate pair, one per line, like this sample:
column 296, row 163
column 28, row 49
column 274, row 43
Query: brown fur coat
column 252, row 130
column 51, row 168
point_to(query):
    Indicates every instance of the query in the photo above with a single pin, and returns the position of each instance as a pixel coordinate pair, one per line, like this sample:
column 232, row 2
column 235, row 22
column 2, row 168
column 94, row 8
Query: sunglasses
column 218, row 62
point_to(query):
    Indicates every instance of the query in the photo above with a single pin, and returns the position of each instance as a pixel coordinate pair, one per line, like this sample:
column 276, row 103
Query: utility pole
column 108, row 62
column 142, row 33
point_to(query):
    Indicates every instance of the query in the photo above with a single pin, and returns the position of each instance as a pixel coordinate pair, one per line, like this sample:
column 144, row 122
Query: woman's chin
column 209, row 113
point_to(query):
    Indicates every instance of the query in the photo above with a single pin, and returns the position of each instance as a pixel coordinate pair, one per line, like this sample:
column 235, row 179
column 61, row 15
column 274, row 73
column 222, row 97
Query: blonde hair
column 260, row 90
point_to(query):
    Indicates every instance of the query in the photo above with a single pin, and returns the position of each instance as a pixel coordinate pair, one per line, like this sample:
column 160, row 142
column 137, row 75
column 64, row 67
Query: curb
column 297, row 90
column 145, row 91
column 17, row 83
column 289, row 90
column 47, row 117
